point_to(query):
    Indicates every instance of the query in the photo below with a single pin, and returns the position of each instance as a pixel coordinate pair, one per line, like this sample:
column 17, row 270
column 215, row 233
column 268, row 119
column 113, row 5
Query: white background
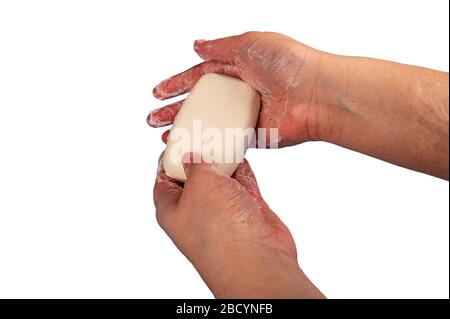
column 77, row 159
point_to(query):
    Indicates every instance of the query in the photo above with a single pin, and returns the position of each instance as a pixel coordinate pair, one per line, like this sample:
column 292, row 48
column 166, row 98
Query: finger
column 245, row 176
column 195, row 164
column 164, row 115
column 165, row 136
column 222, row 50
column 185, row 81
column 166, row 191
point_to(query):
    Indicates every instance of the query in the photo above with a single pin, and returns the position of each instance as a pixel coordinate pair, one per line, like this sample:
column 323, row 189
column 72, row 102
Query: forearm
column 395, row 112
column 249, row 271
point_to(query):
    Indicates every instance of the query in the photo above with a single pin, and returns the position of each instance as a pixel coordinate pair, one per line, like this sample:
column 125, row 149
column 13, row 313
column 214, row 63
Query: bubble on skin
column 252, row 52
column 274, row 111
column 245, row 174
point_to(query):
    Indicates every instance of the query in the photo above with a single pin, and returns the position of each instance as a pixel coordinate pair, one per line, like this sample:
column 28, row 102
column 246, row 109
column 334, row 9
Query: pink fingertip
column 160, row 93
column 153, row 120
column 156, row 92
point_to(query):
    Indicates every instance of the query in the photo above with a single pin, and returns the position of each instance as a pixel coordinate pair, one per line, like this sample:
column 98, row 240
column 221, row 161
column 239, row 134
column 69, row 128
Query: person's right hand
column 297, row 97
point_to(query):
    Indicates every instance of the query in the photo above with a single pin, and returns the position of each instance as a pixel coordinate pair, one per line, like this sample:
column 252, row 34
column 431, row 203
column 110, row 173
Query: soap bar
column 217, row 121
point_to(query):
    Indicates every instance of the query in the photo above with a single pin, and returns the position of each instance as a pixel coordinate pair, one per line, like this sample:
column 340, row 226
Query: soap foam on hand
column 217, row 120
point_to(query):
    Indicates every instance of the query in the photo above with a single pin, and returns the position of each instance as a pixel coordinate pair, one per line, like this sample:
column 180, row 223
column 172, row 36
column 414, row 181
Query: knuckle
column 251, row 34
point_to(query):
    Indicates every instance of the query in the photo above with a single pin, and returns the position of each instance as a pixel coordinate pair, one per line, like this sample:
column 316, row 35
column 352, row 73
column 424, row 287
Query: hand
column 395, row 112
column 296, row 95
column 226, row 229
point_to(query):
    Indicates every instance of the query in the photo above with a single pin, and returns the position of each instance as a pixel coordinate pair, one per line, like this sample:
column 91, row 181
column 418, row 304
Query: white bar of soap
column 217, row 120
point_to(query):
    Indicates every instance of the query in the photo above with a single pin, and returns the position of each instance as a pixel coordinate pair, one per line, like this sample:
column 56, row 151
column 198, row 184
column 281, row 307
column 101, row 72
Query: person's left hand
column 225, row 228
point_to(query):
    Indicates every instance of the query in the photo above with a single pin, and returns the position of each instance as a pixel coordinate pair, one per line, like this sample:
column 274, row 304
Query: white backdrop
column 77, row 160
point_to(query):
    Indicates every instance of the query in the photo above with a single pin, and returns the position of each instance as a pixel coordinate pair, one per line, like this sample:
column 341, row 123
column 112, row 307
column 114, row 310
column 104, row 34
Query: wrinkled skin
column 230, row 219
column 286, row 73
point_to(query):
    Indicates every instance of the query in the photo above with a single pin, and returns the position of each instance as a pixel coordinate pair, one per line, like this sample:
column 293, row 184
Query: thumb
column 195, row 164
column 166, row 193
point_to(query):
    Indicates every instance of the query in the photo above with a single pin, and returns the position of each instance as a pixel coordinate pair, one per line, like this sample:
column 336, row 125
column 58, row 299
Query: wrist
column 248, row 270
column 330, row 107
